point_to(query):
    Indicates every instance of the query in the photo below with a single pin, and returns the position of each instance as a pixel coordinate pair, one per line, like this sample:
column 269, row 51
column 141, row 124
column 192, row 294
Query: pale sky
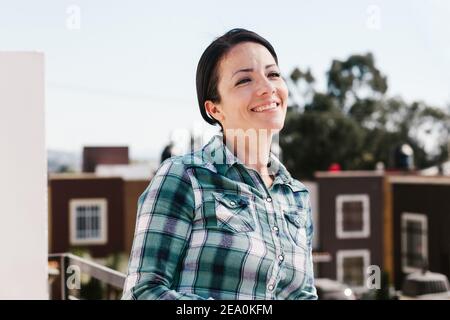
column 126, row 76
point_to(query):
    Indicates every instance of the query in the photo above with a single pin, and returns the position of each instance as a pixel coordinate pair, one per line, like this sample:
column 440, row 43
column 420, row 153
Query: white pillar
column 23, row 177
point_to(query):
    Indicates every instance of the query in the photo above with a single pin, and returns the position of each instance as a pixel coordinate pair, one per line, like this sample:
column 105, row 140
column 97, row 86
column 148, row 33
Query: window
column 414, row 241
column 352, row 266
column 352, row 216
column 88, row 221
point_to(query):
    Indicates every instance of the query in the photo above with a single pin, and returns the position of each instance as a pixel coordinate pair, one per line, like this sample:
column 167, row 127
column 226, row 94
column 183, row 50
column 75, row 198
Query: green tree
column 355, row 78
column 313, row 137
column 354, row 124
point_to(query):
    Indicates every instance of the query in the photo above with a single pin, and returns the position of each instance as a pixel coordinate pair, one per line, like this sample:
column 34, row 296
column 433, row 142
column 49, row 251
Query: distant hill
column 63, row 161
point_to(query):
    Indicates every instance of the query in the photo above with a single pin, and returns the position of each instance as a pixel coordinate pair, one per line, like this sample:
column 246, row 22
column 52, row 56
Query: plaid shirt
column 209, row 228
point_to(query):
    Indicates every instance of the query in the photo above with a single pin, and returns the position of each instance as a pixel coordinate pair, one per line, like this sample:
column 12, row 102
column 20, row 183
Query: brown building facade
column 396, row 222
column 351, row 223
column 95, row 214
column 421, row 225
column 93, row 156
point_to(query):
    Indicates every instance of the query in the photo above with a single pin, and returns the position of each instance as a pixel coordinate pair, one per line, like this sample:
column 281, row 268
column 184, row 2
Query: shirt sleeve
column 309, row 291
column 163, row 227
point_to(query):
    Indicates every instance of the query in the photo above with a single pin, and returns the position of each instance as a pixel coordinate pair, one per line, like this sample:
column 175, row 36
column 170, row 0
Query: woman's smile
column 270, row 107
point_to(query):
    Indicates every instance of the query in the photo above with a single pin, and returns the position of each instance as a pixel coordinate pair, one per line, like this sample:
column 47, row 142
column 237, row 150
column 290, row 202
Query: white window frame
column 103, row 204
column 417, row 217
column 342, row 254
column 365, row 232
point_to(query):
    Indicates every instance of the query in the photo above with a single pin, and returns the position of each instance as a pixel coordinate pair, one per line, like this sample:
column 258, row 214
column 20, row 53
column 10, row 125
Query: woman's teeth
column 267, row 107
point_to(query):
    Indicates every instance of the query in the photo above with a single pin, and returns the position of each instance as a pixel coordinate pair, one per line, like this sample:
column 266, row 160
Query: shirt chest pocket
column 295, row 218
column 233, row 213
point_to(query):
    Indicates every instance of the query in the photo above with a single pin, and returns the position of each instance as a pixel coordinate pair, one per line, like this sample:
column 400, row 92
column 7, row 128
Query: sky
column 123, row 72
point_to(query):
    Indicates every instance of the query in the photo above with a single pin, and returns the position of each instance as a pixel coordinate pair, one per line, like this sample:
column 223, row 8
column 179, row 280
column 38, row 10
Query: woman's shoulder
column 195, row 159
column 171, row 175
column 298, row 186
column 172, row 165
column 180, row 163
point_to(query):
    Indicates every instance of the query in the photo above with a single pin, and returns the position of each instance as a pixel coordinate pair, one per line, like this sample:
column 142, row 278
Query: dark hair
column 207, row 69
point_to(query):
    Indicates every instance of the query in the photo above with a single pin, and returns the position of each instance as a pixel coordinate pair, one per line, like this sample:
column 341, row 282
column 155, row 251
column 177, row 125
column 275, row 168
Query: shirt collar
column 217, row 153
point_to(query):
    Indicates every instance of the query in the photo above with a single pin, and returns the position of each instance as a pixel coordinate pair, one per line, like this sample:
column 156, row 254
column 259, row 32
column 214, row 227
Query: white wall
column 23, row 178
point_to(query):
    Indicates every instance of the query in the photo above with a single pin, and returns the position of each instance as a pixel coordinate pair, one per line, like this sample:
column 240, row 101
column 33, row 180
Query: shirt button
column 270, row 287
column 275, row 229
column 232, row 203
column 269, row 199
column 281, row 257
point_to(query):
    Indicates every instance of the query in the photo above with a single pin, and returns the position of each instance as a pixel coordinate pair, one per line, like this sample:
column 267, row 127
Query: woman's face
column 253, row 94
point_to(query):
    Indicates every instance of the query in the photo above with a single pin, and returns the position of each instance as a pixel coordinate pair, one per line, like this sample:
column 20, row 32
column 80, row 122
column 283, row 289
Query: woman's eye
column 274, row 74
column 271, row 75
column 242, row 81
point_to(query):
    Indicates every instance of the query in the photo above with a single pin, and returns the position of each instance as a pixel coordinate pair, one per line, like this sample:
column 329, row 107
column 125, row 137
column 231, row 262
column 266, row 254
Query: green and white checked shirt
column 208, row 228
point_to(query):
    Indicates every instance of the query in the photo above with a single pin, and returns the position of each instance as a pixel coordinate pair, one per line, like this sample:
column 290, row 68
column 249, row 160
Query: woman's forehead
column 246, row 55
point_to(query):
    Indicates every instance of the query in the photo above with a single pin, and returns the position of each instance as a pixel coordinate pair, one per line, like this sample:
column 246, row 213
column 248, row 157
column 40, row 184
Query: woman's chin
column 266, row 130
column 273, row 125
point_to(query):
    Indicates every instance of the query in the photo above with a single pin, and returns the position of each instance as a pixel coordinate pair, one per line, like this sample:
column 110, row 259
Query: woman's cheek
column 284, row 90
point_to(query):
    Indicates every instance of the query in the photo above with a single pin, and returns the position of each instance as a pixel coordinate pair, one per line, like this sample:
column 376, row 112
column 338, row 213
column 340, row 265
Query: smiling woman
column 227, row 221
column 256, row 88
column 246, row 62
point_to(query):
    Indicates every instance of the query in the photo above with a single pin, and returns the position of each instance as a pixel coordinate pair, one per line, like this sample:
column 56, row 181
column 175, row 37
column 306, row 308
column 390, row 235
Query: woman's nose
column 265, row 86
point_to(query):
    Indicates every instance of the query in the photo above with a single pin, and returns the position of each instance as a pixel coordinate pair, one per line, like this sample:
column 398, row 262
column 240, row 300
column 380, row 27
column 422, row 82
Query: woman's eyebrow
column 251, row 69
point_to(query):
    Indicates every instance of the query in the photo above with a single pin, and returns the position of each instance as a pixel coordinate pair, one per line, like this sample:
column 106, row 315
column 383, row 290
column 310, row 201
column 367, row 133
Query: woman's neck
column 251, row 147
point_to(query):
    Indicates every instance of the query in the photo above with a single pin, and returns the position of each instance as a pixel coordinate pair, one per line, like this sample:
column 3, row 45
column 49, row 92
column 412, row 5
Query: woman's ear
column 214, row 111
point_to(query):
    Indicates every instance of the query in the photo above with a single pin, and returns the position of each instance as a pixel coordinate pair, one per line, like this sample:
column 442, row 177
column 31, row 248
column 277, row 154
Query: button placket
column 279, row 255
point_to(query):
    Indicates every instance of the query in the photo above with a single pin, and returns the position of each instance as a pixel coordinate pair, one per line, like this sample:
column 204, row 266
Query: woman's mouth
column 266, row 108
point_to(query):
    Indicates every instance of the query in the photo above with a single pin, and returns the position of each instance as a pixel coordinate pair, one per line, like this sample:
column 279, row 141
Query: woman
column 227, row 221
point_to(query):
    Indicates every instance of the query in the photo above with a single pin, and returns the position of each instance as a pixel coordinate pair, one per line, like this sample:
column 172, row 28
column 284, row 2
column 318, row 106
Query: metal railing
column 108, row 276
